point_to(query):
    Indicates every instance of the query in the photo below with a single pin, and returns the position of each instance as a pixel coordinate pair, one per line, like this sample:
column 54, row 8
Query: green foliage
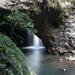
column 12, row 60
column 21, row 19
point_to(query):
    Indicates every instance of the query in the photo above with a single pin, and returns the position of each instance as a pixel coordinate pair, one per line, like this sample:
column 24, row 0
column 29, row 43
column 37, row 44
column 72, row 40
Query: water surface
column 45, row 64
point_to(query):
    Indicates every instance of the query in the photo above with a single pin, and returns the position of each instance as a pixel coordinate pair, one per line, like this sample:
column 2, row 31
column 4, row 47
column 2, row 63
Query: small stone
column 64, row 69
column 61, row 59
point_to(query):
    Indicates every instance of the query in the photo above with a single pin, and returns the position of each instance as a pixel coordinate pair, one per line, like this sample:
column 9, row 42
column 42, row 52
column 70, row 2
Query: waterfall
column 34, row 42
column 30, row 38
column 37, row 42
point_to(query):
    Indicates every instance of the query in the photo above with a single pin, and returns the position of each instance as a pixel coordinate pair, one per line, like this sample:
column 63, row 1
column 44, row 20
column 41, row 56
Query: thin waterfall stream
column 34, row 42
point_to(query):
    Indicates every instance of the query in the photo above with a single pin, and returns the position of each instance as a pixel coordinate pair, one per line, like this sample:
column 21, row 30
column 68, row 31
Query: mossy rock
column 12, row 60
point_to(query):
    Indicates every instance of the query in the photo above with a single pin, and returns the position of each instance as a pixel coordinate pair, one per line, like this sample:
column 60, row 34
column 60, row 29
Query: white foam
column 34, row 48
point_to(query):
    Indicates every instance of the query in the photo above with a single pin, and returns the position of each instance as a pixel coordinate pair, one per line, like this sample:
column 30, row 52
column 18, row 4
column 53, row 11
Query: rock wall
column 47, row 15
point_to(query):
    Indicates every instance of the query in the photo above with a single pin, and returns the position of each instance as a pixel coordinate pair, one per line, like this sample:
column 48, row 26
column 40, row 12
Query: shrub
column 12, row 60
column 21, row 19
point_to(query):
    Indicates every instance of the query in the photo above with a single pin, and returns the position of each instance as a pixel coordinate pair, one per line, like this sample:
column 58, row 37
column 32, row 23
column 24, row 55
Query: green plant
column 21, row 19
column 12, row 60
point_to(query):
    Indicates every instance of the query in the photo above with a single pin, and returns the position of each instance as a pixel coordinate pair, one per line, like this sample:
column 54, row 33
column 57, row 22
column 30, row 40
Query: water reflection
column 44, row 64
column 34, row 60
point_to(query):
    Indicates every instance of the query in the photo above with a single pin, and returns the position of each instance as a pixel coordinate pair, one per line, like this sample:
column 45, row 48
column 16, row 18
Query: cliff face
column 12, row 60
column 18, row 4
column 35, row 5
column 47, row 15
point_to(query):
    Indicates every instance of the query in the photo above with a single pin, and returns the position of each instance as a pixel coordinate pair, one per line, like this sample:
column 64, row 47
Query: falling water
column 35, row 46
column 34, row 42
column 37, row 43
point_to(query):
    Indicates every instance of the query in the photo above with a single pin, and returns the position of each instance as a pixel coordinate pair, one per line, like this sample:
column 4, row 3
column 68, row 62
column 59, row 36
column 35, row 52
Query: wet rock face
column 19, row 4
column 64, row 40
column 47, row 16
column 59, row 39
column 35, row 5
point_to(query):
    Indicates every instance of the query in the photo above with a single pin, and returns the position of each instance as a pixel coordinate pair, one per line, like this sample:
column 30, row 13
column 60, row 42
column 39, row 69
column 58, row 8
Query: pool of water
column 45, row 64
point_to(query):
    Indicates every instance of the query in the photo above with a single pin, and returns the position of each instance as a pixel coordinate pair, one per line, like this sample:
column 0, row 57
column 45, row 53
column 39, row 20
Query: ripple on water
column 51, row 65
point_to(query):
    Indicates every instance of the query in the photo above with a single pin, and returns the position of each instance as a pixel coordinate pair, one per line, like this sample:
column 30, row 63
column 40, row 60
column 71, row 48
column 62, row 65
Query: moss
column 56, row 9
column 12, row 60
column 50, row 12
